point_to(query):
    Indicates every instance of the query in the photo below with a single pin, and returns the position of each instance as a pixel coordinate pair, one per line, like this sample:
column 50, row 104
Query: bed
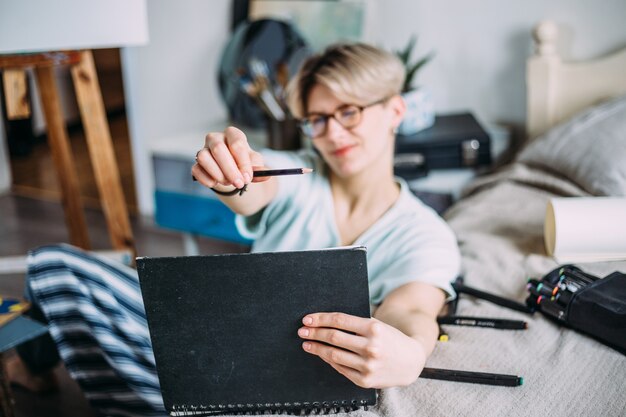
column 499, row 226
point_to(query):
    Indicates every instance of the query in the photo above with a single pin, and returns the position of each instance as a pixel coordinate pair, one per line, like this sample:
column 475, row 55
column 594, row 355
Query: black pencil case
column 597, row 307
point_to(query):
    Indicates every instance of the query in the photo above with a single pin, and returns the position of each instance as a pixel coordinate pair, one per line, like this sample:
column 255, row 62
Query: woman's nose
column 334, row 129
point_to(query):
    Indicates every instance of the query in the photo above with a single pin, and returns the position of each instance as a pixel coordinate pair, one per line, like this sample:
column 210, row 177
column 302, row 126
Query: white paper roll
column 586, row 229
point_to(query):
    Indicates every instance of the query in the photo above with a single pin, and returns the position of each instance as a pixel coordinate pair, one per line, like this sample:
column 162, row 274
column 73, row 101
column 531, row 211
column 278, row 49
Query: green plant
column 412, row 67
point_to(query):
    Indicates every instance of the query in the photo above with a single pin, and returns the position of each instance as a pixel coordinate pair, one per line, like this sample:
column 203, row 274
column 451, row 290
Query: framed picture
column 321, row 22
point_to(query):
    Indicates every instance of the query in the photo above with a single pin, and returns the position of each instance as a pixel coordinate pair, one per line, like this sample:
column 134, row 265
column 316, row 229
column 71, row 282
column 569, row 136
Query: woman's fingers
column 334, row 337
column 200, row 175
column 226, row 159
column 221, row 154
column 206, row 162
column 259, row 168
column 334, row 355
column 238, row 146
column 347, row 322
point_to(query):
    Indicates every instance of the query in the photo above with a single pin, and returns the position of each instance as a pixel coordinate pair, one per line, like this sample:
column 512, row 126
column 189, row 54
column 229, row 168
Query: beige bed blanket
column 499, row 226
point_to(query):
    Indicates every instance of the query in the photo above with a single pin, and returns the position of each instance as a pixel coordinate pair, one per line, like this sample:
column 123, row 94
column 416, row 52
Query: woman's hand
column 370, row 353
column 227, row 160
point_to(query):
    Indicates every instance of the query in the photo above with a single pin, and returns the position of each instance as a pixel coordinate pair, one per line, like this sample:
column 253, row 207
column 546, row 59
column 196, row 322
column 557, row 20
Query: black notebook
column 224, row 329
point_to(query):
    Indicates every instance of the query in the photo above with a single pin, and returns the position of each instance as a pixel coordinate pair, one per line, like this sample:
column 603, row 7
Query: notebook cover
column 224, row 327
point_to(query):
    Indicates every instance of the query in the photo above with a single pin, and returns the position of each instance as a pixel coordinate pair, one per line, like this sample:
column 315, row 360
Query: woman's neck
column 374, row 189
column 360, row 201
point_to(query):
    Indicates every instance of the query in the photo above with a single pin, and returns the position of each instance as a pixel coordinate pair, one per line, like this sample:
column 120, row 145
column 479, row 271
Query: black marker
column 552, row 309
column 483, row 322
column 452, row 305
column 472, row 377
column 504, row 302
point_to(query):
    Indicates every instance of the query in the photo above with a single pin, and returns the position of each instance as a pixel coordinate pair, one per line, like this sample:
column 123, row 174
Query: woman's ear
column 398, row 107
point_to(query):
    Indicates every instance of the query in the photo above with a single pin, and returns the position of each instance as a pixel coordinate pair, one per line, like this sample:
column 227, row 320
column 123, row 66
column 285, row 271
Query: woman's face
column 369, row 144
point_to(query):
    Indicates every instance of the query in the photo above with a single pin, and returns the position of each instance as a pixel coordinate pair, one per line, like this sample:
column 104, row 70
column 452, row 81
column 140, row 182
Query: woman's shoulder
column 409, row 204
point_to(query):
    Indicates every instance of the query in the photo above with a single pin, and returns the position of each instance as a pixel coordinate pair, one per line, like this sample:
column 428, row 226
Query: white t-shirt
column 409, row 242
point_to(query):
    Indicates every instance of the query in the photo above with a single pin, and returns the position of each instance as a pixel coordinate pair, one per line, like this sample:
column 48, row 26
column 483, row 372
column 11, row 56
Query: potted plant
column 420, row 112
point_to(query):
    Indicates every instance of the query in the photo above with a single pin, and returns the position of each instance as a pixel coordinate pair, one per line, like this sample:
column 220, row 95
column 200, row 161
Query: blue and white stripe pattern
column 97, row 320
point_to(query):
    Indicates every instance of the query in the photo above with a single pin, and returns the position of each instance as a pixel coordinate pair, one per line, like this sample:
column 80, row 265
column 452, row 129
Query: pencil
column 276, row 172
column 285, row 171
column 472, row 377
column 504, row 302
column 483, row 322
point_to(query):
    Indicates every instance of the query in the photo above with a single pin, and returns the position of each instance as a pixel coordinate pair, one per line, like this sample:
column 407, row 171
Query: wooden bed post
column 541, row 82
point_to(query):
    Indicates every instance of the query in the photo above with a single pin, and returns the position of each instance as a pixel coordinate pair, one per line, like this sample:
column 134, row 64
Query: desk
column 454, row 141
column 452, row 152
column 14, row 330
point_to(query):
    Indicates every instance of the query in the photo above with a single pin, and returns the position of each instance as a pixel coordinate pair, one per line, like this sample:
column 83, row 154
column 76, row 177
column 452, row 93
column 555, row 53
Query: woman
column 348, row 103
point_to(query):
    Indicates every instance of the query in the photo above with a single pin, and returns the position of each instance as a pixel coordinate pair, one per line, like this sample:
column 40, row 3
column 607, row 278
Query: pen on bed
column 541, row 289
column 472, row 377
column 572, row 270
column 443, row 336
column 504, row 302
column 276, row 172
column 577, row 277
column 562, row 298
column 452, row 305
column 551, row 308
column 531, row 302
column 483, row 322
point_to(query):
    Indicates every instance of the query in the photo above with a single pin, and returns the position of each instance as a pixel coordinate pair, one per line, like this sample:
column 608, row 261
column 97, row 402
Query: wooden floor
column 32, row 215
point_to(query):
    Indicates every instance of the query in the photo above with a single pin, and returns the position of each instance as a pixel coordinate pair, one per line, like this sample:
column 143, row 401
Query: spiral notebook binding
column 295, row 408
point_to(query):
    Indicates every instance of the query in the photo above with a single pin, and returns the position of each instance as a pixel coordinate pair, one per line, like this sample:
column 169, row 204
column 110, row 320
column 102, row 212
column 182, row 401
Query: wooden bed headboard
column 556, row 90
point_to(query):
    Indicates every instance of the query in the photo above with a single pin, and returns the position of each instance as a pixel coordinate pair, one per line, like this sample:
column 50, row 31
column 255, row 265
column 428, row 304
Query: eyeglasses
column 348, row 116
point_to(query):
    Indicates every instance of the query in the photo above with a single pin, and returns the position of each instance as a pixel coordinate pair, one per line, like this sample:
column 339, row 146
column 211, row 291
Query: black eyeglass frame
column 302, row 123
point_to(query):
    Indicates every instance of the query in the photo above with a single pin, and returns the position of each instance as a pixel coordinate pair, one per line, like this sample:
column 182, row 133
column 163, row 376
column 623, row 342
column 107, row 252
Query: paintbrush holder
column 283, row 135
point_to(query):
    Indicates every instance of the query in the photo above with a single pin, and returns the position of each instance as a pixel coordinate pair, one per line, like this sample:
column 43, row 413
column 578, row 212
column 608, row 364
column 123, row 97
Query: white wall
column 171, row 84
column 481, row 49
column 481, row 46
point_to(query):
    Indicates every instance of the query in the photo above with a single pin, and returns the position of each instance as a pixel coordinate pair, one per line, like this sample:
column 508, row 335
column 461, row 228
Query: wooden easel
column 97, row 132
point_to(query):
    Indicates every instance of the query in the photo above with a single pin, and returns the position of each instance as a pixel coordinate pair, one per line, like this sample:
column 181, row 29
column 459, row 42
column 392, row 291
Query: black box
column 454, row 141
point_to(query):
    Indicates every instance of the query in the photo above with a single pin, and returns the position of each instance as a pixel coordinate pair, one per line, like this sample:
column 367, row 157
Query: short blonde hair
column 356, row 73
